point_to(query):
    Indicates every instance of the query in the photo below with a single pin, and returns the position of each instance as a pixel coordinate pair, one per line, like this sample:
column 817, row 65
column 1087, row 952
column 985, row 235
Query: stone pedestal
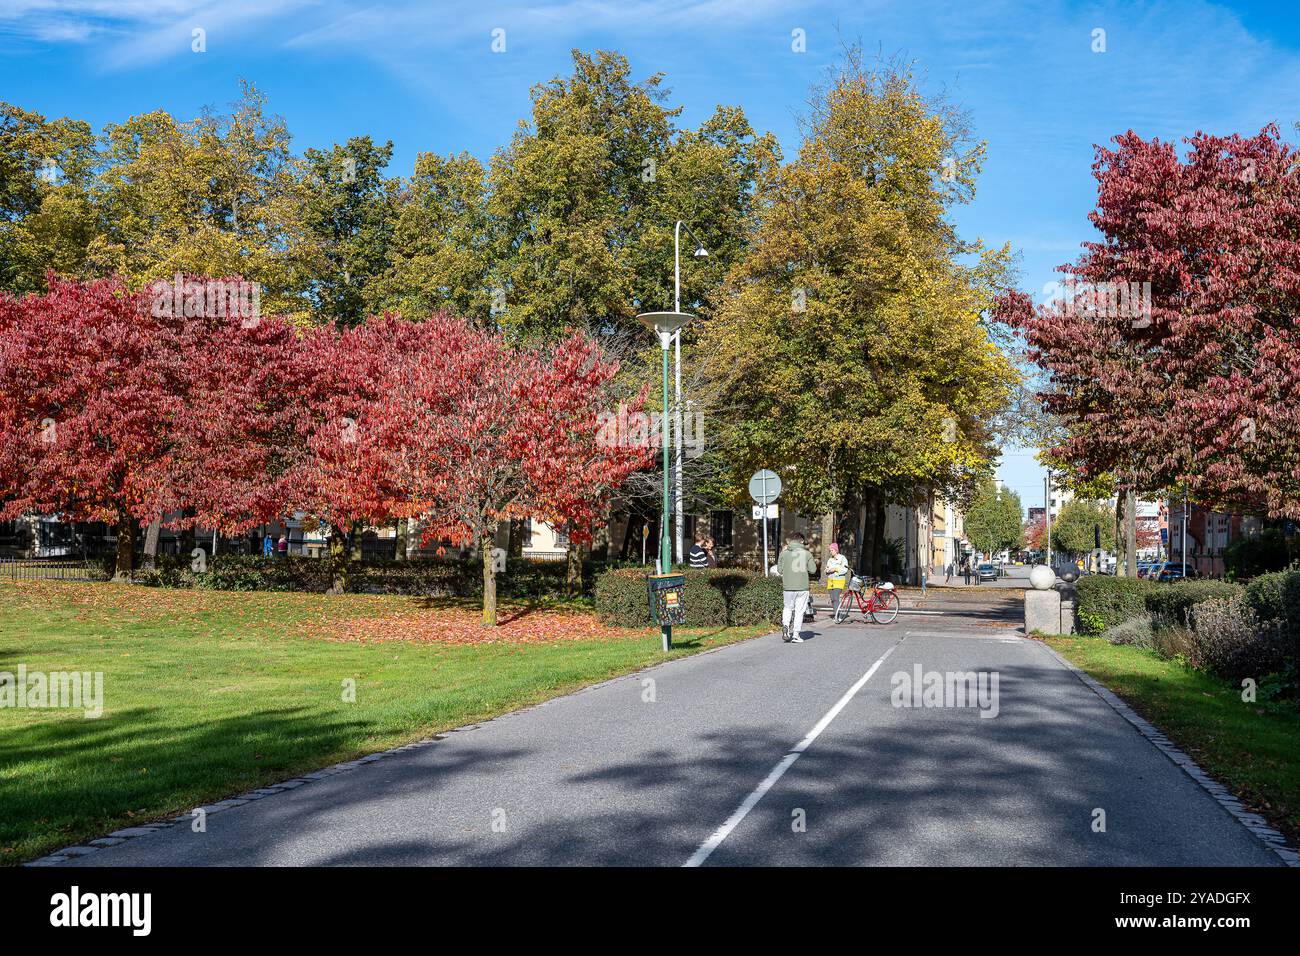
column 1043, row 611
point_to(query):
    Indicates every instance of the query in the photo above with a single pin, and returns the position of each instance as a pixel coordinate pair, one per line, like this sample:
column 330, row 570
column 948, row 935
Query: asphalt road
column 761, row 753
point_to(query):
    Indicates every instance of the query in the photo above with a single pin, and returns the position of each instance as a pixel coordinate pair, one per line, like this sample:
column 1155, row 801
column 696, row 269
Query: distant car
column 1171, row 571
column 987, row 572
column 1144, row 567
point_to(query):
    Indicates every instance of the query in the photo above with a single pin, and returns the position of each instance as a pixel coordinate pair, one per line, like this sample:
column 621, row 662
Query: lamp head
column 665, row 324
column 701, row 253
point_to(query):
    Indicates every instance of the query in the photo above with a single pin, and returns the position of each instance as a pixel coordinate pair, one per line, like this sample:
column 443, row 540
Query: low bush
column 1229, row 639
column 1103, row 601
column 1136, row 631
column 1169, row 604
column 715, row 597
column 523, row 579
column 1276, row 597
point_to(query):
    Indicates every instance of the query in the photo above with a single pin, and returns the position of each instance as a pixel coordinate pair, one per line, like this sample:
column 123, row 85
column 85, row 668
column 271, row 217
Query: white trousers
column 793, row 606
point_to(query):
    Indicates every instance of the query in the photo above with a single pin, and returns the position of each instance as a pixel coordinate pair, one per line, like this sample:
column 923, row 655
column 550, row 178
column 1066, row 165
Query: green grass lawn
column 1253, row 750
column 209, row 694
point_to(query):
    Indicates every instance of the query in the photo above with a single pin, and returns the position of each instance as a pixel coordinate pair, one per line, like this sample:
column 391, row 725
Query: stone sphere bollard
column 1042, row 577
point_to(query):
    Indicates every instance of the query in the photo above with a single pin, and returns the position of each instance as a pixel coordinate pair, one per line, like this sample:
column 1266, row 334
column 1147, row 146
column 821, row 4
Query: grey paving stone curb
column 1257, row 825
column 133, row 833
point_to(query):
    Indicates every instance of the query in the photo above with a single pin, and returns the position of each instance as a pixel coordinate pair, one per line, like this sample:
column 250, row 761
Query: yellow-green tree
column 219, row 195
column 47, row 219
column 850, row 353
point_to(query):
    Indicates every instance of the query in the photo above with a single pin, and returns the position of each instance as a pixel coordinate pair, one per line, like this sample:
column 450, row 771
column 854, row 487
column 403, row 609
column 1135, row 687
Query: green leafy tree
column 439, row 256
column 850, row 353
column 993, row 519
column 220, row 195
column 350, row 213
column 47, row 218
column 1075, row 529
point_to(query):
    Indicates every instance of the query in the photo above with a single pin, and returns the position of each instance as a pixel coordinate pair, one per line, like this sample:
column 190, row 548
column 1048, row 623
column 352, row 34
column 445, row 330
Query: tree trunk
column 486, row 542
column 573, row 568
column 125, row 549
column 1130, row 534
column 878, row 537
column 827, row 536
column 403, row 530
column 338, row 560
column 187, row 541
column 151, row 544
column 860, row 547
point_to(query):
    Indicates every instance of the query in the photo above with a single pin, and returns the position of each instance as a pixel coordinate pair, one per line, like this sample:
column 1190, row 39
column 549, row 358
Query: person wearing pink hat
column 837, row 575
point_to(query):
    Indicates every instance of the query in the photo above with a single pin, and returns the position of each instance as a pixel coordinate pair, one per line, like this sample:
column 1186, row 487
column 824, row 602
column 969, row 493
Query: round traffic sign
column 764, row 486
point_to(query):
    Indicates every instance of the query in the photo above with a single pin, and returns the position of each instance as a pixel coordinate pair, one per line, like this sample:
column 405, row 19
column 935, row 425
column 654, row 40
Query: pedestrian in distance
column 795, row 566
column 837, row 575
column 282, row 547
column 965, row 570
column 699, row 556
column 268, row 546
column 709, row 547
column 951, row 569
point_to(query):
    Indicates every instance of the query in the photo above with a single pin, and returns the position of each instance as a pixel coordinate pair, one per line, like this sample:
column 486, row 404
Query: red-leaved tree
column 484, row 431
column 85, row 407
column 1176, row 357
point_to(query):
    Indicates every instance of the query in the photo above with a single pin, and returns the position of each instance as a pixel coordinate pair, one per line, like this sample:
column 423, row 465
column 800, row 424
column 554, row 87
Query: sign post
column 765, row 488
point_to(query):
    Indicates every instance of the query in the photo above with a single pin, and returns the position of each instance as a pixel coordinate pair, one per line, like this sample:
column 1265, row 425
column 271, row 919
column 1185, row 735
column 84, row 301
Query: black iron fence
column 47, row 569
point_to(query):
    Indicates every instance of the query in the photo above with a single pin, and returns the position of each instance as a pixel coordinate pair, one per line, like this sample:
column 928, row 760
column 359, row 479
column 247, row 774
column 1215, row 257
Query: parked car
column 1144, row 567
column 987, row 572
column 1171, row 571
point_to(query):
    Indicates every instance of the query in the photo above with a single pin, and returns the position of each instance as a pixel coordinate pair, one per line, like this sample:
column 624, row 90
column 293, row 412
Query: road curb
column 1259, row 828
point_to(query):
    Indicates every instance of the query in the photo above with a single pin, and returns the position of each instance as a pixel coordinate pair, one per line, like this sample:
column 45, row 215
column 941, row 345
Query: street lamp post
column 700, row 252
column 666, row 325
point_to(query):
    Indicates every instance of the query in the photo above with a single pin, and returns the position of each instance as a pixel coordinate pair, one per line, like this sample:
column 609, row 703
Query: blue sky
column 423, row 74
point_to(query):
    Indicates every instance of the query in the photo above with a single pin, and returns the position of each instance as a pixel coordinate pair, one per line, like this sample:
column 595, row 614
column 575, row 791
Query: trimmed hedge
column 1276, row 597
column 1171, row 603
column 1103, row 601
column 435, row 577
column 715, row 597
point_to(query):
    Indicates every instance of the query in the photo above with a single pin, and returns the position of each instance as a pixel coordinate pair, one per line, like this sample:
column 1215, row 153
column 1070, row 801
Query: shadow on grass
column 64, row 779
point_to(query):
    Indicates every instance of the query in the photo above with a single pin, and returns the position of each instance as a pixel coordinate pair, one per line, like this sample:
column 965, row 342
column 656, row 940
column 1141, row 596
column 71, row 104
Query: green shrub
column 1229, row 639
column 1170, row 603
column 433, row 577
column 758, row 601
column 1103, row 601
column 1258, row 554
column 715, row 597
column 1136, row 631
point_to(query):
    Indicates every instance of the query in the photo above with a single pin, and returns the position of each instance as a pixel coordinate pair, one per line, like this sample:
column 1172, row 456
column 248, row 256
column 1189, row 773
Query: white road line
column 786, row 762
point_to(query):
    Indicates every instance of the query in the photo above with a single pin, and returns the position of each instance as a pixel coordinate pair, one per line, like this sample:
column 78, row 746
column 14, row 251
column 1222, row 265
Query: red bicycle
column 880, row 604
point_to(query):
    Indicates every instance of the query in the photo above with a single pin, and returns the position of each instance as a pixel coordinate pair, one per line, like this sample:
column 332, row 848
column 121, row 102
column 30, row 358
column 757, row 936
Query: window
column 720, row 528
column 773, row 533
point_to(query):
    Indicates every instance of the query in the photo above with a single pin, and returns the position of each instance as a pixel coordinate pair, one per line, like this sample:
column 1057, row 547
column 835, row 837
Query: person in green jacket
column 796, row 564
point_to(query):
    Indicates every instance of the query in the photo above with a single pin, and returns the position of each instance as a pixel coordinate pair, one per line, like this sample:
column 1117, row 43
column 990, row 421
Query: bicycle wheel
column 842, row 612
column 886, row 609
